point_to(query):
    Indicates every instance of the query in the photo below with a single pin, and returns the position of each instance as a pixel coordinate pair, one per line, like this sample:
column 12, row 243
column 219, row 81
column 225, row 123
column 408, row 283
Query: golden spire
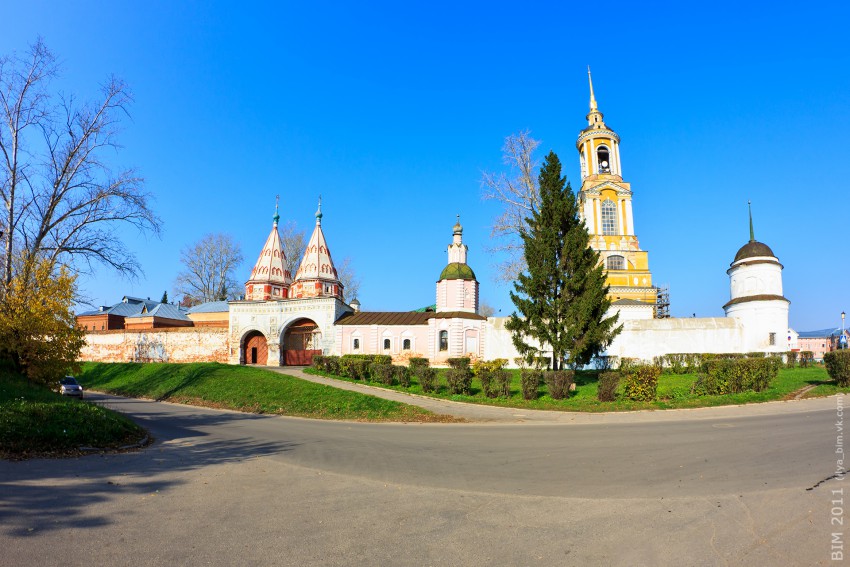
column 592, row 98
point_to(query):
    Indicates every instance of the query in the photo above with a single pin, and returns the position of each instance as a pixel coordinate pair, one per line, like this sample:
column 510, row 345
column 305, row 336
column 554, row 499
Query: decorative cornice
column 597, row 133
column 597, row 189
column 763, row 297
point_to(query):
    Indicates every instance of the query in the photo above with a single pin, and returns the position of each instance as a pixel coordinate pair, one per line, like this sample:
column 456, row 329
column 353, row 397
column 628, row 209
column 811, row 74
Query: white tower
column 755, row 281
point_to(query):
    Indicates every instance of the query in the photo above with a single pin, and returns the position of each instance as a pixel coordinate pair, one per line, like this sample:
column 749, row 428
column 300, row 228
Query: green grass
column 674, row 391
column 243, row 388
column 36, row 422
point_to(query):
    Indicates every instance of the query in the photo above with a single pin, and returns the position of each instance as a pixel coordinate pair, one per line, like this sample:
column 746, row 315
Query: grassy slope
column 673, row 392
column 244, row 388
column 35, row 421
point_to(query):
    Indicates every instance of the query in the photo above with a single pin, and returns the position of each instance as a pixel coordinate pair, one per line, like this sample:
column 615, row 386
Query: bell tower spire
column 752, row 234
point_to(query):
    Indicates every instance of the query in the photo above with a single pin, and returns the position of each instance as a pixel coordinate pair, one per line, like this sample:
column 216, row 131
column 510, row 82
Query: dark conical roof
column 752, row 249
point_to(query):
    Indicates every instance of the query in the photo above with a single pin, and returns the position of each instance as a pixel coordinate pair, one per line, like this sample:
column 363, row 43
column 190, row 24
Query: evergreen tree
column 164, row 297
column 561, row 296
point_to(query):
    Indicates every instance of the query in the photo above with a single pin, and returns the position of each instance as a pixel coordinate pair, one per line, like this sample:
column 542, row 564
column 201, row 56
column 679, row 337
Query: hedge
column 640, row 382
column 736, row 376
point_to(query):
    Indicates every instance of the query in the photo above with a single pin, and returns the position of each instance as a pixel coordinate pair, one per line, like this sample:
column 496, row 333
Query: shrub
column 427, row 378
column 607, row 386
column 416, row 362
column 459, row 376
column 502, row 380
column 791, row 359
column 838, row 366
column 640, row 382
column 354, row 368
column 490, row 375
column 732, row 376
column 755, row 355
column 558, row 383
column 382, row 373
column 806, row 358
column 318, row 362
column 402, row 375
column 379, row 358
column 530, row 381
column 332, row 365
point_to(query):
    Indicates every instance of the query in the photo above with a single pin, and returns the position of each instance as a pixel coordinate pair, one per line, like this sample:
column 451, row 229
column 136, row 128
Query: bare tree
column 348, row 278
column 209, row 267
column 518, row 192
column 62, row 198
column 294, row 243
column 486, row 309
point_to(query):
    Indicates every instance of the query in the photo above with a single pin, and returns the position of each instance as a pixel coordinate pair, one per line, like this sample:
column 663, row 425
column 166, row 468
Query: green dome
column 457, row 271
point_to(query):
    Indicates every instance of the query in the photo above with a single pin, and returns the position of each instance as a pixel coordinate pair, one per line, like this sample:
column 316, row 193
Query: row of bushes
column 690, row 363
column 717, row 376
column 495, row 380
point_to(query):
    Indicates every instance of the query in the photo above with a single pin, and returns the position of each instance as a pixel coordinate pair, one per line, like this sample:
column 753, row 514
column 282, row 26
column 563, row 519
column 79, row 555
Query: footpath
column 492, row 414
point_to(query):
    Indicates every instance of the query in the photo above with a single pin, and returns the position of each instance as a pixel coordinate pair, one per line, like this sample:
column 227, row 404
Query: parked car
column 68, row 386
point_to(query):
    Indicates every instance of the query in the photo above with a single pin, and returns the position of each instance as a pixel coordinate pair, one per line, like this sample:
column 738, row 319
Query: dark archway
column 301, row 340
column 255, row 350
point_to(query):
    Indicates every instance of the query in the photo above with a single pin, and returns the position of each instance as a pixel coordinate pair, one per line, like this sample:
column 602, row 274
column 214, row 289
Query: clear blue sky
column 391, row 111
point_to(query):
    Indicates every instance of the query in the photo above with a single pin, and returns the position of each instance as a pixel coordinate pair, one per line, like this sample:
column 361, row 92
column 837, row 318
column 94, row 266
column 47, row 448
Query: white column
column 620, row 216
column 587, row 157
column 596, row 216
column 629, row 217
column 617, row 159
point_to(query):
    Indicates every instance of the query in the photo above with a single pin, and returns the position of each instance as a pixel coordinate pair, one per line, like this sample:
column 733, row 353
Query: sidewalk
column 493, row 414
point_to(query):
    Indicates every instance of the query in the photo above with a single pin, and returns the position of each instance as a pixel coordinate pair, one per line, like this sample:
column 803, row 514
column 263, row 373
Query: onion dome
column 457, row 271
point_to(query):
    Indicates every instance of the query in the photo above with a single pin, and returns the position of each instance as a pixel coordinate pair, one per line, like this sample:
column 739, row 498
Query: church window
column 356, row 344
column 772, row 339
column 616, row 263
column 386, row 344
column 405, row 345
column 609, row 217
column 603, row 159
column 444, row 340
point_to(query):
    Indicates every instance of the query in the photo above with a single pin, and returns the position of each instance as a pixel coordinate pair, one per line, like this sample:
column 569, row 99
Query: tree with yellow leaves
column 38, row 330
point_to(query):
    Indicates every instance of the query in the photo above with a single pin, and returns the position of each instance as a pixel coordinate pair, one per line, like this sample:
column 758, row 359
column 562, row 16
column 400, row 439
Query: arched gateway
column 255, row 349
column 301, row 340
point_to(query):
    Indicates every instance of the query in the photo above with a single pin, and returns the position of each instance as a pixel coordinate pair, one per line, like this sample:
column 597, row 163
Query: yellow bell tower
column 605, row 202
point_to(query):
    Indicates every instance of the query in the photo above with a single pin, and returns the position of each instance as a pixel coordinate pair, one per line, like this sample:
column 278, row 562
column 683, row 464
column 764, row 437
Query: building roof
column 163, row 311
column 632, row 302
column 317, row 263
column 457, row 271
column 753, row 249
column 821, row 334
column 126, row 307
column 210, row 307
column 761, row 297
column 402, row 317
column 271, row 265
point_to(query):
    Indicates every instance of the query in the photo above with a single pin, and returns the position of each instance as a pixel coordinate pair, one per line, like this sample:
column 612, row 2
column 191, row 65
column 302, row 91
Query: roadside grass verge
column 243, row 388
column 37, row 422
column 674, row 392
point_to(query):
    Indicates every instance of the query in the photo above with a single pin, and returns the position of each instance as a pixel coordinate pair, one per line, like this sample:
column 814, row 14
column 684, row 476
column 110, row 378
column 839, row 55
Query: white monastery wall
column 647, row 339
column 185, row 344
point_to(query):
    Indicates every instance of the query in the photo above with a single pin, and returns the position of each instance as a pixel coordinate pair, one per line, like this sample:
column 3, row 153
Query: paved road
column 223, row 488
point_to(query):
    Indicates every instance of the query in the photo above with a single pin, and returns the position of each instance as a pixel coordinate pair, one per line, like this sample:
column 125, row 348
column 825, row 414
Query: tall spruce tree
column 561, row 297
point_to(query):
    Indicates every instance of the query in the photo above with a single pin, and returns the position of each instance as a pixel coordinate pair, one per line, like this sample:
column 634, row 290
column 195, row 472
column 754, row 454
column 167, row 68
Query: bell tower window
column 616, row 263
column 603, row 159
column 609, row 217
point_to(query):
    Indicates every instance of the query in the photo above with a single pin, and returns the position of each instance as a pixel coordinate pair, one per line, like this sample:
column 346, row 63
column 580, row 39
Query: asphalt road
column 737, row 487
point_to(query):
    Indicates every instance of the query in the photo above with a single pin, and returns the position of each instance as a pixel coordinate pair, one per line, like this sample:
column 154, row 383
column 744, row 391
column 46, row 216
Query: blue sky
column 391, row 111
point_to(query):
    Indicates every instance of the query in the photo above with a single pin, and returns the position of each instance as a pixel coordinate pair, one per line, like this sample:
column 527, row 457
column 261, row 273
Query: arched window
column 444, row 340
column 616, row 263
column 386, row 344
column 603, row 159
column 355, row 344
column 609, row 217
column 405, row 345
